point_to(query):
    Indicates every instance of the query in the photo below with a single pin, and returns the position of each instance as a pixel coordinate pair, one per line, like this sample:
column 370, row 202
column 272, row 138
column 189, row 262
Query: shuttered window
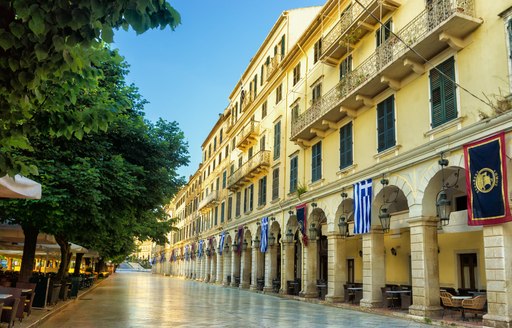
column 386, row 124
column 346, row 146
column 294, row 173
column 316, row 162
column 277, row 140
column 442, row 93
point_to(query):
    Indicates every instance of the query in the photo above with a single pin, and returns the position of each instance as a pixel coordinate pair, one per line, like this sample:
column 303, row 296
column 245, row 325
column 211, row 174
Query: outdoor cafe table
column 354, row 289
column 396, row 292
column 462, row 308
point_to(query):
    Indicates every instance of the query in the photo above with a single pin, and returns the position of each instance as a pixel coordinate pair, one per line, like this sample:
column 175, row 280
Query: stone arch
column 248, row 237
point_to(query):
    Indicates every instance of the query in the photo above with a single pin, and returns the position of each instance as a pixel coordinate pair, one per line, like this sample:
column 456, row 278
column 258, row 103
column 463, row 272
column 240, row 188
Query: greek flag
column 264, row 235
column 221, row 243
column 362, row 206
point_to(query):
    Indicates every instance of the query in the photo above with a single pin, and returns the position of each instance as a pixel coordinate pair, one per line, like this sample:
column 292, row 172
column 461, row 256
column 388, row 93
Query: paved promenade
column 131, row 299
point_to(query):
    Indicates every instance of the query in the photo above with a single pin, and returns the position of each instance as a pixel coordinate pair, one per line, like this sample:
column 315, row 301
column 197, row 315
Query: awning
column 19, row 187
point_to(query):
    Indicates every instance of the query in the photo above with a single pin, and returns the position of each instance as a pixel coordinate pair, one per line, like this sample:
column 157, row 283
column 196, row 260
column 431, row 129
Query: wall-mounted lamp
column 314, row 205
column 289, row 236
column 393, row 251
column 256, row 242
column 342, row 221
column 291, row 212
column 272, row 218
column 244, row 245
column 443, row 205
column 312, row 231
column 384, row 215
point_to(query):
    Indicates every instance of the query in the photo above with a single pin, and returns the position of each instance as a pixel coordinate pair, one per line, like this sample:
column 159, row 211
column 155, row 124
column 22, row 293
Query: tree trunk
column 29, row 253
column 65, row 256
column 78, row 262
column 100, row 265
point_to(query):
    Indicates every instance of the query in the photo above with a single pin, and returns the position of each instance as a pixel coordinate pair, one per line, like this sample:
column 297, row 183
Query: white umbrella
column 19, row 187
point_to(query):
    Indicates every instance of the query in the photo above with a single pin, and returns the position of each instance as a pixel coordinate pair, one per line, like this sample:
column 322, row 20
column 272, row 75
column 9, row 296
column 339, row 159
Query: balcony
column 248, row 135
column 211, row 200
column 273, row 65
column 448, row 23
column 353, row 25
column 256, row 165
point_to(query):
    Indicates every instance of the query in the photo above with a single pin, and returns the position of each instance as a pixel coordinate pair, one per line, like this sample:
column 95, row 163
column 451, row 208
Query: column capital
column 423, row 221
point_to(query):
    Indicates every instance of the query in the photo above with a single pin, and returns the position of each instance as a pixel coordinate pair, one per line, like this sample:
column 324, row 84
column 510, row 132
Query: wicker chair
column 449, row 303
column 475, row 305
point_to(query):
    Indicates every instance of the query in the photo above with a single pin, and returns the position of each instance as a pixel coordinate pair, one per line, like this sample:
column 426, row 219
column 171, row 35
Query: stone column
column 227, row 267
column 235, row 266
column 374, row 273
column 311, row 265
column 288, row 264
column 255, row 267
column 270, row 266
column 208, row 261
column 424, row 267
column 498, row 271
column 219, row 276
column 245, row 270
column 336, row 268
column 212, row 273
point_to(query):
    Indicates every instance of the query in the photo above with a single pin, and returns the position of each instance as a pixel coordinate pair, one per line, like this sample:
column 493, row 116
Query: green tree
column 48, row 54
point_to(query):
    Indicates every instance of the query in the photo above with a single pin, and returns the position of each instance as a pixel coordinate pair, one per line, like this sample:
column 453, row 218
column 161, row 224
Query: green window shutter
column 443, row 93
column 277, row 140
column 293, row 174
column 282, row 47
column 346, row 146
column 316, row 162
column 386, row 124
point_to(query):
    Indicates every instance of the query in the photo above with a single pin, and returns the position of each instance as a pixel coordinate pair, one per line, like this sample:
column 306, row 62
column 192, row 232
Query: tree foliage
column 48, row 55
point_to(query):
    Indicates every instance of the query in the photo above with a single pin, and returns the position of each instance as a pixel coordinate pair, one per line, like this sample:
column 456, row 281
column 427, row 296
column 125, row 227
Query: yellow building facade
column 382, row 92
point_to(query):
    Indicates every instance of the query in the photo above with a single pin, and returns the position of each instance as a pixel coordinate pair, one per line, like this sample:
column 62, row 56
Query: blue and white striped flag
column 264, row 235
column 221, row 243
column 362, row 206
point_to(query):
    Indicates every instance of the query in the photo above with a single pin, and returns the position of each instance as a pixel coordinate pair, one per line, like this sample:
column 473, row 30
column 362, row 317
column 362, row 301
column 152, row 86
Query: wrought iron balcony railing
column 445, row 23
column 355, row 22
column 212, row 199
column 253, row 167
column 247, row 136
column 273, row 65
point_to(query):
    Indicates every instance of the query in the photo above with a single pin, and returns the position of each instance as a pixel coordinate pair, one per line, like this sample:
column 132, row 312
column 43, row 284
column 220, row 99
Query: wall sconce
column 234, row 245
column 289, row 236
column 393, row 251
column 314, row 205
column 360, row 253
column 384, row 215
column 342, row 221
column 244, row 245
column 208, row 252
column 246, row 227
column 291, row 212
column 271, row 239
column 312, row 231
column 272, row 218
column 226, row 247
column 256, row 242
column 442, row 203
column 258, row 223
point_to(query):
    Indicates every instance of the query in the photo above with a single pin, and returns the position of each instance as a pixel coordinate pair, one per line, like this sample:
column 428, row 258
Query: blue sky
column 188, row 74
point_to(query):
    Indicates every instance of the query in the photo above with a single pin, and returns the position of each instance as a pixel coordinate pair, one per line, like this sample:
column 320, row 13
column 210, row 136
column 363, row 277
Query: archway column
column 220, row 269
column 227, row 267
column 213, row 268
column 424, row 267
column 235, row 266
column 256, row 267
column 498, row 272
column 270, row 266
column 245, row 270
column 311, row 266
column 205, row 274
column 336, row 268
column 288, row 265
column 374, row 274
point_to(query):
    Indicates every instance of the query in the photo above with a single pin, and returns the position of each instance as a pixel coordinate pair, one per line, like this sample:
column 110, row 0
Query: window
column 345, row 67
column 316, row 92
column 317, row 51
column 233, row 144
column 230, row 208
column 383, row 33
column 250, row 153
column 277, row 140
column 294, row 173
column 282, row 46
column 442, row 93
column 209, row 150
column 386, row 124
column 226, row 152
column 262, row 143
column 296, row 74
column 509, row 34
column 216, row 215
column 262, row 73
column 316, row 162
column 262, row 191
column 237, row 204
column 220, row 136
column 275, row 184
column 279, row 93
column 248, row 198
column 295, row 112
column 220, row 157
column 217, row 184
column 232, row 169
column 346, row 145
column 222, row 212
column 224, row 179
column 264, row 110
column 255, row 84
column 240, row 162
column 215, row 144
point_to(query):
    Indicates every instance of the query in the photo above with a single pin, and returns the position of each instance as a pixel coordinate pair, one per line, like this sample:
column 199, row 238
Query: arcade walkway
column 131, row 299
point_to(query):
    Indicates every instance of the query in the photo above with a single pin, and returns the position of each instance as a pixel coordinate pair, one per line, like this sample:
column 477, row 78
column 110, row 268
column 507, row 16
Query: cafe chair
column 449, row 303
column 475, row 305
column 27, row 307
column 9, row 310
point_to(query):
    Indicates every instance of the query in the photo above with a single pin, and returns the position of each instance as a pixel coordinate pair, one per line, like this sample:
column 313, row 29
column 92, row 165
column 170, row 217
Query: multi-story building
column 354, row 107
